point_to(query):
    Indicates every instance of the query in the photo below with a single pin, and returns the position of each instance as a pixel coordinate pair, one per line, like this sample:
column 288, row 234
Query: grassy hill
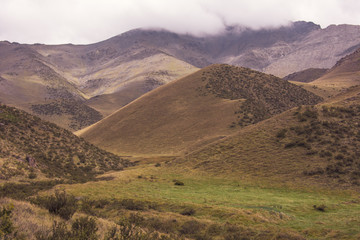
column 32, row 148
column 309, row 145
column 196, row 110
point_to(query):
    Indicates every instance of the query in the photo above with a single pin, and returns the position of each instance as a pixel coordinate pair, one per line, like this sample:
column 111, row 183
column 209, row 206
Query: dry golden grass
column 194, row 111
column 165, row 121
column 28, row 218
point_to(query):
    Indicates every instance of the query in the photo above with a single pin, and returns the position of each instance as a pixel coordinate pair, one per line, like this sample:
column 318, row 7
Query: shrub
column 32, row 175
column 178, row 183
column 131, row 204
column 191, row 227
column 320, row 208
column 6, row 225
column 58, row 231
column 60, row 204
column 281, row 134
column 188, row 212
column 84, row 228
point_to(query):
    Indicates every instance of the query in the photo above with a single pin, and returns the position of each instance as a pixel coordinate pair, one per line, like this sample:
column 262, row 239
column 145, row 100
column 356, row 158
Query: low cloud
column 88, row 21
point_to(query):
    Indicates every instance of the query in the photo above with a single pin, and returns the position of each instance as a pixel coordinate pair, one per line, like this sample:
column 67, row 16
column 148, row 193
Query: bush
column 60, row 204
column 320, row 208
column 178, row 183
column 281, row 134
column 32, row 175
column 191, row 227
column 58, row 232
column 6, row 225
column 84, row 228
column 188, row 212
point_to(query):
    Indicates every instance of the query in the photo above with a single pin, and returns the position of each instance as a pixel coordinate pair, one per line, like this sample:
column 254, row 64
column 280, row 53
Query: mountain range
column 85, row 83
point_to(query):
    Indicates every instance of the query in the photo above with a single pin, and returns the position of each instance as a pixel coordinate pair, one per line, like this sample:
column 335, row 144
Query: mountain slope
column 195, row 110
column 37, row 77
column 345, row 73
column 303, row 146
column 279, row 51
column 307, row 75
column 30, row 145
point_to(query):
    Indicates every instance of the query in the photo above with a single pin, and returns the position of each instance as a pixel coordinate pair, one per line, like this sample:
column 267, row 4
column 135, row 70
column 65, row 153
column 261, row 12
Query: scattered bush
column 60, row 204
column 83, row 228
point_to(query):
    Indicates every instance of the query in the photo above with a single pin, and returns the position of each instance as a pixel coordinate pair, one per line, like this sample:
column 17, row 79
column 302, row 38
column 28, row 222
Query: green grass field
column 260, row 207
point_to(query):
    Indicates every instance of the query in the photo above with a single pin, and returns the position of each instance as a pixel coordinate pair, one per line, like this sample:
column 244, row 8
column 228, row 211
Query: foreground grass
column 259, row 206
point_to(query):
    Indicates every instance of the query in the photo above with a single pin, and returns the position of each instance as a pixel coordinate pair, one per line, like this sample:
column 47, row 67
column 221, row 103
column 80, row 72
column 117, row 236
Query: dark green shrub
column 131, row 204
column 188, row 212
column 320, row 208
column 178, row 183
column 6, row 225
column 84, row 228
column 60, row 204
column 191, row 227
column 32, row 175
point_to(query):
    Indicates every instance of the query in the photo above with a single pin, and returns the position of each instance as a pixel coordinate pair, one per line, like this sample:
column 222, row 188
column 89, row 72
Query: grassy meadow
column 260, row 208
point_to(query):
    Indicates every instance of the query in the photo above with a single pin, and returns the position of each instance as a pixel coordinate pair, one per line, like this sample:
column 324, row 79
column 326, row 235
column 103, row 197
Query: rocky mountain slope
column 279, row 51
column 195, row 110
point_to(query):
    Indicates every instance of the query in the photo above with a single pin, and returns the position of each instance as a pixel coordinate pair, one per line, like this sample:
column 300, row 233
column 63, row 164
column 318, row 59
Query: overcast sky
column 89, row 21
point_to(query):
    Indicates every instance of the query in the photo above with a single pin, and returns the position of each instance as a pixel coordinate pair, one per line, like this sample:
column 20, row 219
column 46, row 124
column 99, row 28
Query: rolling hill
column 195, row 110
column 304, row 146
column 32, row 148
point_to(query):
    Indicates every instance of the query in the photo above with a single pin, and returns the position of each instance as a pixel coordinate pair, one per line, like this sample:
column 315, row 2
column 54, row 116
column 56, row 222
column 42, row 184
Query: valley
column 157, row 135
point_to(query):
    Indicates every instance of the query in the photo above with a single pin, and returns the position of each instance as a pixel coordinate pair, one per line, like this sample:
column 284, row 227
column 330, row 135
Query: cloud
column 87, row 21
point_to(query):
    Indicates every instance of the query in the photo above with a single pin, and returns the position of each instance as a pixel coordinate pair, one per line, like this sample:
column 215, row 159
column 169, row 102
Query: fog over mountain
column 89, row 21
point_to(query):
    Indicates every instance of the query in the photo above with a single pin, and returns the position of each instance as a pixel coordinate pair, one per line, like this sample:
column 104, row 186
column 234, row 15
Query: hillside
column 30, row 147
column 195, row 110
column 345, row 73
column 309, row 145
column 92, row 79
column 307, row 75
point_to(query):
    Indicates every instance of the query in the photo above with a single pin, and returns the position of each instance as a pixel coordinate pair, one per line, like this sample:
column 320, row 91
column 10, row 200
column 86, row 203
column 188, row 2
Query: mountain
column 31, row 147
column 75, row 86
column 344, row 74
column 195, row 110
column 307, row 75
column 279, row 51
